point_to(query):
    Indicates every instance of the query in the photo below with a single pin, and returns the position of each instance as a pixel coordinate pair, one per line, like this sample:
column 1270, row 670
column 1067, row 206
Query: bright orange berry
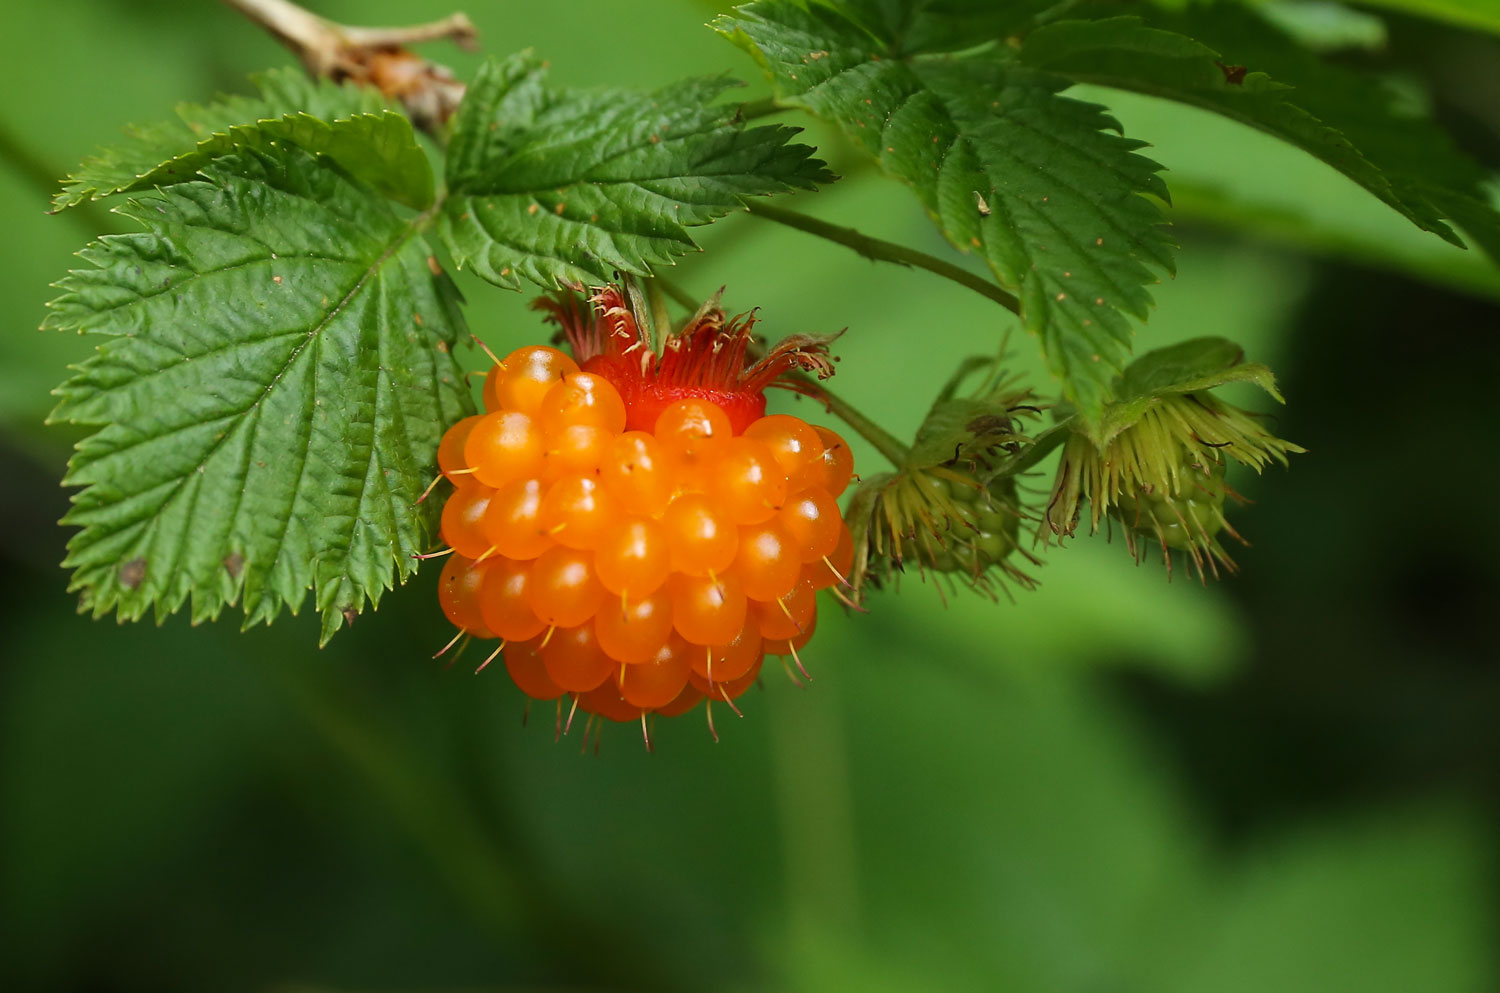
column 606, row 701
column 524, row 663
column 791, row 439
column 746, row 482
column 513, row 520
column 833, row 569
column 451, row 451
column 832, row 469
column 574, row 660
column 576, row 450
column 577, row 512
column 503, row 603
column 529, row 373
column 582, row 398
column 811, row 519
column 458, row 594
column 633, row 558
column 701, row 538
column 693, row 430
column 787, row 616
column 767, row 564
column 563, row 590
column 647, row 534
column 658, row 681
column 686, row 700
column 632, row 631
column 725, row 662
column 635, row 470
column 463, row 520
column 727, row 689
column 504, row 447
column 707, row 610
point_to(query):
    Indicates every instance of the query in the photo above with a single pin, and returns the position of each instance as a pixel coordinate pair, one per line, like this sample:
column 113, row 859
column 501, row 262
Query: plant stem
column 1041, row 447
column 366, row 55
column 885, row 443
column 679, row 295
column 886, row 251
column 764, row 107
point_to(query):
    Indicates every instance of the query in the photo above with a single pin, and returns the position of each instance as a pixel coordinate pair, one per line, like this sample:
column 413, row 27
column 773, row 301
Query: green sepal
column 966, row 430
column 1186, row 367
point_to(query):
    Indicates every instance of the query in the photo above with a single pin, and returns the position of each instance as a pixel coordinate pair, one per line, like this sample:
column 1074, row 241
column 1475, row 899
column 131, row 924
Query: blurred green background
column 1287, row 781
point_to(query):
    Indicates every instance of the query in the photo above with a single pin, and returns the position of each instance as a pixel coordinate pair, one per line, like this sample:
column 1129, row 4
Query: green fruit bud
column 1162, row 477
column 945, row 521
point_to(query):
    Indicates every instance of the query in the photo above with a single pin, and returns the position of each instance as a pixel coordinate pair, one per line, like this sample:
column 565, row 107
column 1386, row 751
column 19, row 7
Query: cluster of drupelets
column 629, row 571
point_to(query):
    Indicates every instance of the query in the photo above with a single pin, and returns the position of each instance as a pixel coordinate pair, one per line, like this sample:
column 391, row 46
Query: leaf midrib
column 413, row 228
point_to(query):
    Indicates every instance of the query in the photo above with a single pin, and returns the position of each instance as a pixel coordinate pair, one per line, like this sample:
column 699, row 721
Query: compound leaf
column 274, row 375
column 567, row 186
column 1032, row 180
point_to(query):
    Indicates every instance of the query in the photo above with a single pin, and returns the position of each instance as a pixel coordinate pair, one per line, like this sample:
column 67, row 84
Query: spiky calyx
column 943, row 520
column 1163, row 476
column 709, row 358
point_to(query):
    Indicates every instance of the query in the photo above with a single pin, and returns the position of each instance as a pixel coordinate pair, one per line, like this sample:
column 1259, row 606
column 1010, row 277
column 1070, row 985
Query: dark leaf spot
column 132, row 573
column 1233, row 75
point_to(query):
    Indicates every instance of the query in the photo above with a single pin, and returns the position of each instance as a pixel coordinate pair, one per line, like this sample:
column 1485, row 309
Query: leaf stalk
column 879, row 250
column 887, row 444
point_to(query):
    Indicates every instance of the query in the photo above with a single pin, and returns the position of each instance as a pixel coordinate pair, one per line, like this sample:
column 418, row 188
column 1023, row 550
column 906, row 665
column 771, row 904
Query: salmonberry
column 632, row 523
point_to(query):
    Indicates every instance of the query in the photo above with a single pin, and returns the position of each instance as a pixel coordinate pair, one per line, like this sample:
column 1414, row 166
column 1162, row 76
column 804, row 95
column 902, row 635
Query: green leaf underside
column 1341, row 117
column 568, row 186
column 276, row 374
column 1186, row 367
column 957, row 428
column 172, row 150
column 966, row 427
column 1032, row 180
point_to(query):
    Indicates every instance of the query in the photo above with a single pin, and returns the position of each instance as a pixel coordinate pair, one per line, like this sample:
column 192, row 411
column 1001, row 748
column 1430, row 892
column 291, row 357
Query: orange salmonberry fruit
column 633, row 524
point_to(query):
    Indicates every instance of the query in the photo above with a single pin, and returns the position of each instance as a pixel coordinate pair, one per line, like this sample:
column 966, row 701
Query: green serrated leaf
column 275, row 375
column 380, row 149
column 562, row 186
column 1032, row 180
column 1341, row 117
column 283, row 92
column 1186, row 367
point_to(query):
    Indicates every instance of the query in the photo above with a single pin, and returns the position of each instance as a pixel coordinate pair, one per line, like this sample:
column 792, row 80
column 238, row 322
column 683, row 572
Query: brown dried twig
column 371, row 56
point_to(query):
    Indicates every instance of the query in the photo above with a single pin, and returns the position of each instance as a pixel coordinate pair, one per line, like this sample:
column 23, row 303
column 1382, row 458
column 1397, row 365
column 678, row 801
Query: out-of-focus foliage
column 1282, row 782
